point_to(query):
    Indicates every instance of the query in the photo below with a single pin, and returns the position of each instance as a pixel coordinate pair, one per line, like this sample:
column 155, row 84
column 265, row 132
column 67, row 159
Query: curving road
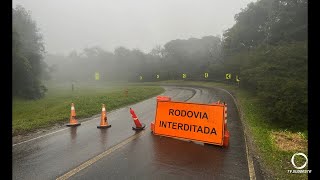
column 86, row 152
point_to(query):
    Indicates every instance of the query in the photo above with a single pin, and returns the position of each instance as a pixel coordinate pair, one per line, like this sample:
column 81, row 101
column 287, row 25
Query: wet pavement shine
column 146, row 156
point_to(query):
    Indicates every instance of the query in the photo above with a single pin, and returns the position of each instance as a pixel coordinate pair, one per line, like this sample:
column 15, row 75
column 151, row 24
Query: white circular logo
column 300, row 154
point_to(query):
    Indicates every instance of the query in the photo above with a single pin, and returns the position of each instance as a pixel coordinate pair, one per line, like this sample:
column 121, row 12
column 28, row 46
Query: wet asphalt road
column 146, row 157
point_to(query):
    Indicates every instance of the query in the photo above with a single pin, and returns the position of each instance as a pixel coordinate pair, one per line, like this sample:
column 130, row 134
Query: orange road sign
column 193, row 121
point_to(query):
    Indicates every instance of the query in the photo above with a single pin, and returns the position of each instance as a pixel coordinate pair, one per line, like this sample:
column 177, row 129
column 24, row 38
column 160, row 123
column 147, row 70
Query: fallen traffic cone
column 73, row 120
column 139, row 126
column 104, row 121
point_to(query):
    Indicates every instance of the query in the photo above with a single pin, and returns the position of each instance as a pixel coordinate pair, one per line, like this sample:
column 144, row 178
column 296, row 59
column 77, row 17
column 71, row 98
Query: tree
column 268, row 48
column 192, row 56
column 27, row 54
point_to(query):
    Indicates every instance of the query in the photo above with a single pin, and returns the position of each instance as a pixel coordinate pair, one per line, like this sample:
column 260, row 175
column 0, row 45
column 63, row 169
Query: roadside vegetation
column 274, row 141
column 30, row 115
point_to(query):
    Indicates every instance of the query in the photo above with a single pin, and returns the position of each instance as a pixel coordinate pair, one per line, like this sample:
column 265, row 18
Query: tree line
column 170, row 61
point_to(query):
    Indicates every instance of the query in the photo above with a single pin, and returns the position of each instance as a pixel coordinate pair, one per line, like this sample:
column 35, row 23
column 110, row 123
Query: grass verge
column 30, row 115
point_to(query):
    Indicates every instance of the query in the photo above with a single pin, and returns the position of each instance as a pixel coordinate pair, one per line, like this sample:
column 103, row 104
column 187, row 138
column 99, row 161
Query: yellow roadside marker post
column 97, row 76
column 228, row 76
column 184, row 76
column 206, row 75
column 238, row 80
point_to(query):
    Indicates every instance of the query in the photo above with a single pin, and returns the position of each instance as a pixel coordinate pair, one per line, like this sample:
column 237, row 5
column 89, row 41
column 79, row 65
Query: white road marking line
column 49, row 133
column 98, row 157
column 39, row 137
column 249, row 158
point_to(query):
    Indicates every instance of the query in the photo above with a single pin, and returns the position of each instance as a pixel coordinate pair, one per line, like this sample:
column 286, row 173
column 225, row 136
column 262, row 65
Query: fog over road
column 142, row 155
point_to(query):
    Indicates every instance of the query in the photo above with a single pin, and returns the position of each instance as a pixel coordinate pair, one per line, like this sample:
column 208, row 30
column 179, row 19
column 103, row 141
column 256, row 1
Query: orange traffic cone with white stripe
column 104, row 120
column 73, row 120
column 139, row 126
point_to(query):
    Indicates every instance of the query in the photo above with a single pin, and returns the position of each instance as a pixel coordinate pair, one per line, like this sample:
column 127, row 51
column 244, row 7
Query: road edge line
column 38, row 137
column 53, row 132
column 252, row 173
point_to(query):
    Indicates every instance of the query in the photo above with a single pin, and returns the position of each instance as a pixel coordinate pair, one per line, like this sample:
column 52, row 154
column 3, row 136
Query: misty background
column 140, row 24
column 262, row 42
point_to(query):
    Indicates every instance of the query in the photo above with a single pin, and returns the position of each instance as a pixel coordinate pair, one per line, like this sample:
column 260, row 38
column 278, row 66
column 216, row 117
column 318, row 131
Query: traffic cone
column 73, row 120
column 104, row 121
column 139, row 126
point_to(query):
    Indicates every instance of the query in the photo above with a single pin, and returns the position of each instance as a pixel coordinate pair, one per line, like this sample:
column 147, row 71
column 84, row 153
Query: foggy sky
column 69, row 25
